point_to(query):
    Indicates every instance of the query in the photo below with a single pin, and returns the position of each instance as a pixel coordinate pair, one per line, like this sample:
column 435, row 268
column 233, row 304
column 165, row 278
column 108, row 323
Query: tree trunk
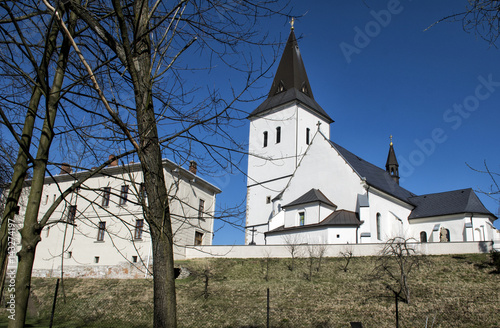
column 21, row 166
column 30, row 233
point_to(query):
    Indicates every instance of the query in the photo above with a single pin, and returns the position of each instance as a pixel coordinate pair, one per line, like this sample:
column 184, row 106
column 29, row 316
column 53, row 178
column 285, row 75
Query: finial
column 391, row 140
column 292, row 21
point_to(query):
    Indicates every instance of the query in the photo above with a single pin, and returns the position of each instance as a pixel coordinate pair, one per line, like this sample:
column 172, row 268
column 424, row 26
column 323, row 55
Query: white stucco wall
column 270, row 167
column 78, row 245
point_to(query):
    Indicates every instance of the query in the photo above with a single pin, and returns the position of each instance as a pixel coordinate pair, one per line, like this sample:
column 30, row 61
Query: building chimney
column 65, row 168
column 193, row 167
column 114, row 162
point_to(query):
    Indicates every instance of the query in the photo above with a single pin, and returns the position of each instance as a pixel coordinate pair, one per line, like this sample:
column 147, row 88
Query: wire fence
column 80, row 307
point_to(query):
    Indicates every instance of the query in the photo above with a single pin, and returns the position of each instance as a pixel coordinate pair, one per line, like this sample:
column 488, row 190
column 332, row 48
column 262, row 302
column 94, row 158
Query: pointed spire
column 291, row 71
column 392, row 166
column 291, row 82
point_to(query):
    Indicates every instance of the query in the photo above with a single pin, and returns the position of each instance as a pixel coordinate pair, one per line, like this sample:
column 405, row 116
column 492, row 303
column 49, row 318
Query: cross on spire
column 292, row 21
column 391, row 139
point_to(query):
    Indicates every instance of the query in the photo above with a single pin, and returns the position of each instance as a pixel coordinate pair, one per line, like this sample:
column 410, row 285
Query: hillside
column 448, row 291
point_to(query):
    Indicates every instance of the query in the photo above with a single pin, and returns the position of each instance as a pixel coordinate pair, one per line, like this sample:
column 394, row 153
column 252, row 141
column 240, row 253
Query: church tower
column 281, row 129
column 392, row 166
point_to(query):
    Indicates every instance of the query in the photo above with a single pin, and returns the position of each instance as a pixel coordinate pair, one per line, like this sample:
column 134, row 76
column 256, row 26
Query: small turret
column 392, row 166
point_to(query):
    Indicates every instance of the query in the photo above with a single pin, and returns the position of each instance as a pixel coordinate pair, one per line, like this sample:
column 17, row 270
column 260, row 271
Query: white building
column 304, row 188
column 100, row 230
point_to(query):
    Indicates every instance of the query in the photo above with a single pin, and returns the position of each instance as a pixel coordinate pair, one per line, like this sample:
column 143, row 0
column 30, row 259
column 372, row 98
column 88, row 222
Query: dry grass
column 454, row 291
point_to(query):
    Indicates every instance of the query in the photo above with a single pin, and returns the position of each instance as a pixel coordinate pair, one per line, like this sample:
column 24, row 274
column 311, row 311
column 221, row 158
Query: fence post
column 267, row 308
column 54, row 304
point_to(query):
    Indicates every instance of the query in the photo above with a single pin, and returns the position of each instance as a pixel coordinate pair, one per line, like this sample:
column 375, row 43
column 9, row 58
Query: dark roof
column 337, row 218
column 446, row 203
column 291, row 83
column 391, row 158
column 374, row 175
column 313, row 195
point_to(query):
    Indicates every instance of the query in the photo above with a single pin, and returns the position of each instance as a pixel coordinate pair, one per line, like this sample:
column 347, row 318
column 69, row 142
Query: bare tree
column 292, row 244
column 347, row 254
column 395, row 264
column 481, row 17
column 154, row 113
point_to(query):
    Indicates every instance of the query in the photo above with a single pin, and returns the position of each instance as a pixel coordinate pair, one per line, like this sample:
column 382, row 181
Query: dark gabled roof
column 342, row 217
column 337, row 218
column 374, row 175
column 291, row 83
column 446, row 203
column 313, row 195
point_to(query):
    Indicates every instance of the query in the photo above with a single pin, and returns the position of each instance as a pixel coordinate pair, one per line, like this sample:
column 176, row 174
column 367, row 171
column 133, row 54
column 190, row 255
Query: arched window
column 278, row 134
column 423, row 237
column 265, row 138
column 379, row 232
column 308, row 132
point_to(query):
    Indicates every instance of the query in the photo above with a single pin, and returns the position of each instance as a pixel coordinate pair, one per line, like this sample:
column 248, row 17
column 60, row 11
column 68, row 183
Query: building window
column 423, row 237
column 123, row 195
column 69, row 255
column 278, row 134
column 139, row 225
column 379, row 232
column 265, row 138
column 198, row 238
column 302, row 218
column 100, row 232
column 106, row 192
column 71, row 214
column 308, row 132
column 134, row 259
column 201, row 209
column 96, row 259
column 46, row 199
column 268, row 199
column 338, row 236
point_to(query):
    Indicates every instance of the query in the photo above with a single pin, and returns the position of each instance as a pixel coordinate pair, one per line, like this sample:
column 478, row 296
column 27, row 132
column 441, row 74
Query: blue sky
column 437, row 91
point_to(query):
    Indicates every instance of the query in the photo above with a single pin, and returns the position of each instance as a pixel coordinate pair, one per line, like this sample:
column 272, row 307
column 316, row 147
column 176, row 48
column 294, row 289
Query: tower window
column 198, row 238
column 308, row 132
column 278, row 134
column 302, row 218
column 265, row 138
column 268, row 199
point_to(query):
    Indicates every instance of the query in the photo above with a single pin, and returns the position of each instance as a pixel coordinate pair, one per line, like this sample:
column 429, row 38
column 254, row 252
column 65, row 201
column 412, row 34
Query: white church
column 304, row 188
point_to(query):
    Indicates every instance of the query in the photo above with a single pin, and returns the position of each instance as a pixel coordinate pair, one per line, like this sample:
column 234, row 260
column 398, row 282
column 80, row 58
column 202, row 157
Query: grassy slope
column 458, row 291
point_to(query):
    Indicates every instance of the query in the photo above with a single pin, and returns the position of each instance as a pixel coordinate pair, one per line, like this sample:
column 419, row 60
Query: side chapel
column 303, row 187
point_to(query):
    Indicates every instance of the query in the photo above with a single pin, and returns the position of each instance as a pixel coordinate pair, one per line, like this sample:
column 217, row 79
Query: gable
column 323, row 168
